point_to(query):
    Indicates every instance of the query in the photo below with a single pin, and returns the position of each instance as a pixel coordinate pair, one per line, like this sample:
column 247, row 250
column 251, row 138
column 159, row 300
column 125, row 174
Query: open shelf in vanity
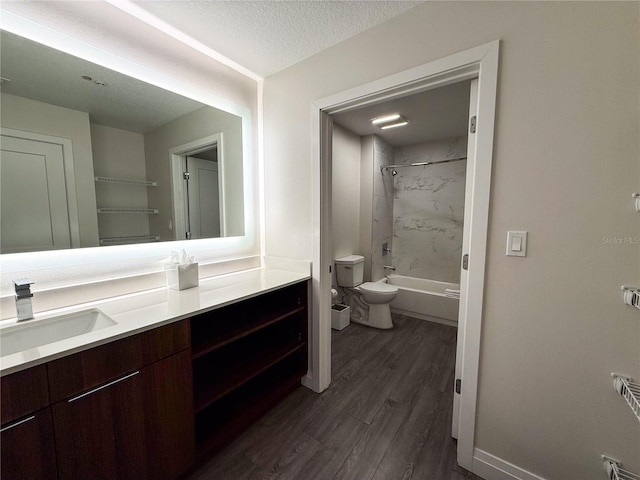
column 245, row 358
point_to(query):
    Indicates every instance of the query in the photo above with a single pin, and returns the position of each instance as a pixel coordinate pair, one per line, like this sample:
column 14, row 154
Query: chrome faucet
column 24, row 309
column 389, row 267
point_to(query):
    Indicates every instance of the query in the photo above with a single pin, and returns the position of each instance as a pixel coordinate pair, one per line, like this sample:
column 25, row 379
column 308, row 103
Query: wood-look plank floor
column 386, row 415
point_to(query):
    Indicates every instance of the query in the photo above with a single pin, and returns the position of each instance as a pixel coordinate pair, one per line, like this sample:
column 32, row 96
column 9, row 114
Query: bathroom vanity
column 153, row 403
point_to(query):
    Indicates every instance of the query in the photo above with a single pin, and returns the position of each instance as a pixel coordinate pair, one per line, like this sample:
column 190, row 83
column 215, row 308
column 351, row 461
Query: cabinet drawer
column 23, row 393
column 71, row 375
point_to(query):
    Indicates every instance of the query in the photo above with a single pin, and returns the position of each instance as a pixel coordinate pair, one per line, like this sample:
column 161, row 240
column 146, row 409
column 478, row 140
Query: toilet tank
column 350, row 270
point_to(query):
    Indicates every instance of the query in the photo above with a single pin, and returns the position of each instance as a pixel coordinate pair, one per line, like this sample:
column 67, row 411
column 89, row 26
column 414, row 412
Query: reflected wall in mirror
column 89, row 157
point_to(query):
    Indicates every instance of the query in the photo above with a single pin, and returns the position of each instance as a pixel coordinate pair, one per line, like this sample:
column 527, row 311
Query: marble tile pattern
column 428, row 210
column 383, row 193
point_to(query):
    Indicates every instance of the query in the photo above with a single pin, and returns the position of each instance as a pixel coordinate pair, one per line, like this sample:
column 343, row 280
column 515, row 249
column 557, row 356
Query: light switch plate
column 516, row 243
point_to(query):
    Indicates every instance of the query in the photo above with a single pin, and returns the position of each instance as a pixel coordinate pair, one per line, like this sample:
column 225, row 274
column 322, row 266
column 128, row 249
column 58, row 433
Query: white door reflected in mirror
column 203, row 198
column 37, row 210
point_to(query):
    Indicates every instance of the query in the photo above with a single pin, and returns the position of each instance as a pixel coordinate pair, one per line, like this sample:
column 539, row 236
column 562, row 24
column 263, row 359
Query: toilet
column 369, row 301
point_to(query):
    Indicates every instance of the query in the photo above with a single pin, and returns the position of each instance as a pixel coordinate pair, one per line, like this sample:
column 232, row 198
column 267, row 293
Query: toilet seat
column 377, row 287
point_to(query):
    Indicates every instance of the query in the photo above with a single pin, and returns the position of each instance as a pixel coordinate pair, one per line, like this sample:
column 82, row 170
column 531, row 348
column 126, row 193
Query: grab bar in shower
column 420, row 164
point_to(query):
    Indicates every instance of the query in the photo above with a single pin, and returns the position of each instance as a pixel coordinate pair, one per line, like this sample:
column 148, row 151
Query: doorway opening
column 398, row 202
column 197, row 173
column 477, row 63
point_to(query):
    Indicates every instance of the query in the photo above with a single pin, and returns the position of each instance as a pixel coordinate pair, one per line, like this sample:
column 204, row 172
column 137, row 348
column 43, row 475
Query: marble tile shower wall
column 382, row 225
column 428, row 210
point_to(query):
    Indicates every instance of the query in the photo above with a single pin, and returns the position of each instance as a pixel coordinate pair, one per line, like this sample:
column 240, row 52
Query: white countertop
column 142, row 311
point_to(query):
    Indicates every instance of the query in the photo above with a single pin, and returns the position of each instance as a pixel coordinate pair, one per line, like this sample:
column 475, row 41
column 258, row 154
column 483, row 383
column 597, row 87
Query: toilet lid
column 379, row 287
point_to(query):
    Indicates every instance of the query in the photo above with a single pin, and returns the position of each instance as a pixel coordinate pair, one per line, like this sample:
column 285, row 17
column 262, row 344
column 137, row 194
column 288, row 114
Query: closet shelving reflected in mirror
column 122, row 231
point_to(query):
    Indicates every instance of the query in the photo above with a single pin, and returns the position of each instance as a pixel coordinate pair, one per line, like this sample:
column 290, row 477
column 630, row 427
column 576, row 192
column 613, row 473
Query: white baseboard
column 307, row 381
column 491, row 467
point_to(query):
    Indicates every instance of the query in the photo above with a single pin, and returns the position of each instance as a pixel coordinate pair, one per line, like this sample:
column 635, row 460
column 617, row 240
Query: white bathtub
column 424, row 299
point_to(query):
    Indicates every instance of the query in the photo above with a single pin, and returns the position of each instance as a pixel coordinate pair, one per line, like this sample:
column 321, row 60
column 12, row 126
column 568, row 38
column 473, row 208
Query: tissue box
column 181, row 277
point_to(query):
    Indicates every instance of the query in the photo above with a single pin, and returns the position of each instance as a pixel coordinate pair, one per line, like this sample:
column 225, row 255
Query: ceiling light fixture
column 385, row 118
column 394, row 125
column 91, row 79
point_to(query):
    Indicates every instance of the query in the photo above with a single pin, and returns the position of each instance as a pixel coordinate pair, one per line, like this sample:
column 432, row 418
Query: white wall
column 120, row 154
column 38, row 117
column 566, row 160
column 345, row 178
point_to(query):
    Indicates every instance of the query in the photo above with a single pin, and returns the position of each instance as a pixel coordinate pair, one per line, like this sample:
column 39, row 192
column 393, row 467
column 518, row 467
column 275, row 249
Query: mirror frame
column 245, row 245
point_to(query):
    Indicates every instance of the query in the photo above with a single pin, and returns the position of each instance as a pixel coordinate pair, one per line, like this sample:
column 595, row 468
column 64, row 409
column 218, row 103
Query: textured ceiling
column 268, row 36
column 433, row 115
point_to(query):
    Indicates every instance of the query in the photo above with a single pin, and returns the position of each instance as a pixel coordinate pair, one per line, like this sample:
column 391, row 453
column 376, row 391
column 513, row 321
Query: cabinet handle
column 24, row 420
column 103, row 386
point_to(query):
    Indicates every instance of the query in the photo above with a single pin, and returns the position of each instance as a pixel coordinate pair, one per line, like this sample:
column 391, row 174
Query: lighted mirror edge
column 19, row 262
column 46, row 36
column 239, row 245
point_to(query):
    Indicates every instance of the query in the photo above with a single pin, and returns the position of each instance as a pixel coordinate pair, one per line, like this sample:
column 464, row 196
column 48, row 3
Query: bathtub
column 424, row 299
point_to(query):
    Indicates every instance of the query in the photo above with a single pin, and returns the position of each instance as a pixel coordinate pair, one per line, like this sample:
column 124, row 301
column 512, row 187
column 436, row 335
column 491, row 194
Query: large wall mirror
column 92, row 157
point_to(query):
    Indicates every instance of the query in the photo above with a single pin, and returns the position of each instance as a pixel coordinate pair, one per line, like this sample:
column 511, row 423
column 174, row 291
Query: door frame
column 178, row 197
column 479, row 62
column 69, row 174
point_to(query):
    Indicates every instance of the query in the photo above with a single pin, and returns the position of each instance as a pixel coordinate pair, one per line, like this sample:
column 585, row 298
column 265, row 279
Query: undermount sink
column 35, row 333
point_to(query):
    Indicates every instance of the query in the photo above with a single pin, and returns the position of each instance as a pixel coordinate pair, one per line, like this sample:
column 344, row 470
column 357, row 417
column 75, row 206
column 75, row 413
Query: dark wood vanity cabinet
column 134, row 427
column 125, row 409
column 26, row 436
column 121, row 410
column 23, row 393
column 27, row 446
column 149, row 405
column 246, row 358
column 101, row 433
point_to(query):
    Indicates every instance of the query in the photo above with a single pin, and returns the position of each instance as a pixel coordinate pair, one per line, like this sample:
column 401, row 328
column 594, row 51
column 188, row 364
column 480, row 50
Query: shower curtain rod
column 422, row 164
